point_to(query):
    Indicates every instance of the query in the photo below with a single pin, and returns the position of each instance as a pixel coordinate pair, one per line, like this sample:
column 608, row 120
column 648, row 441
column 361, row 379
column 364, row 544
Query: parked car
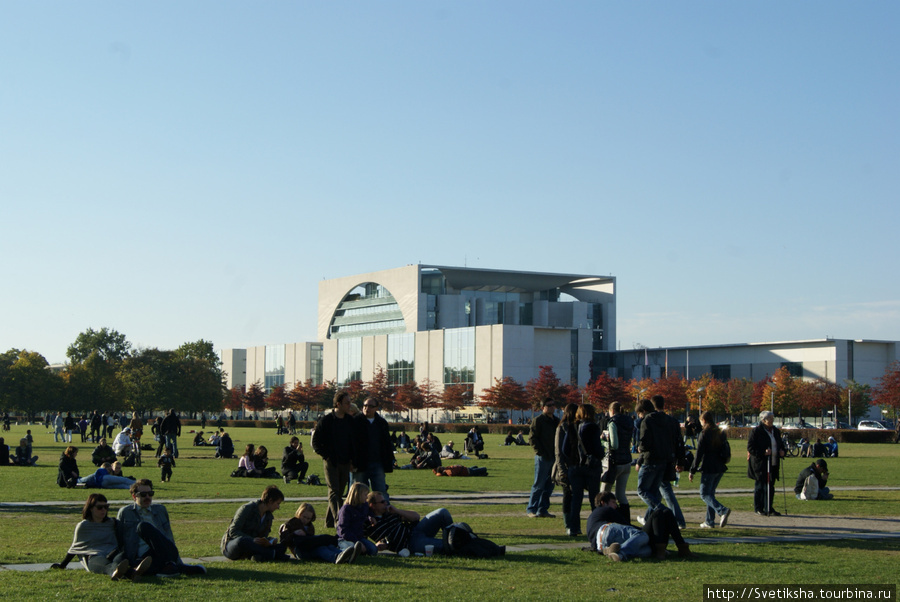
column 871, row 425
column 839, row 425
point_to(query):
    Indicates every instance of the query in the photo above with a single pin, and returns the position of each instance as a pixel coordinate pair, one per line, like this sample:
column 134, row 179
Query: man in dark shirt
column 656, row 451
column 398, row 530
column 374, row 452
column 170, row 430
column 543, row 431
column 293, row 462
column 333, row 440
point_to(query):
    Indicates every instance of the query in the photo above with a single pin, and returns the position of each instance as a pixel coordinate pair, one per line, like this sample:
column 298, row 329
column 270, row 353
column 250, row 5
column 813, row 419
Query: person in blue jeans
column 402, row 531
column 248, row 534
column 299, row 535
column 656, row 449
column 710, row 460
column 543, row 433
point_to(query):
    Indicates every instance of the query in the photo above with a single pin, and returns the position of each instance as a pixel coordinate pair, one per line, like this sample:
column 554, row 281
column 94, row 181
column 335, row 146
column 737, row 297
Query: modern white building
column 835, row 360
column 468, row 326
column 457, row 325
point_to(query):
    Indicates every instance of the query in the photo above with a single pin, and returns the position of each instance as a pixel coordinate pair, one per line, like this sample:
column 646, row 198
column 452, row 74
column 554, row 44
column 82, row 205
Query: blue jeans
column 172, row 441
column 372, row 477
column 423, row 534
column 635, row 543
column 650, row 478
column 668, row 496
column 581, row 478
column 539, row 502
column 708, row 483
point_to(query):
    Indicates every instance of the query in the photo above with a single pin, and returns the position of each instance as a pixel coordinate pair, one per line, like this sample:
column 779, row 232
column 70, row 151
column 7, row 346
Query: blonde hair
column 303, row 508
column 357, row 495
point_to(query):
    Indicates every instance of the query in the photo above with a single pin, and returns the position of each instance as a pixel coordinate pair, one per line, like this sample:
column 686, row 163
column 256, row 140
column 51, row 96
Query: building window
column 349, row 361
column 316, row 361
column 721, row 372
column 795, row 369
column 274, row 366
column 401, row 357
column 367, row 310
column 459, row 356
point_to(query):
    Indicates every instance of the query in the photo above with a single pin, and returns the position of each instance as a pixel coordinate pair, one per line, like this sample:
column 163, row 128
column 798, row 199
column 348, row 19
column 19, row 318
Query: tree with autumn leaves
column 886, row 393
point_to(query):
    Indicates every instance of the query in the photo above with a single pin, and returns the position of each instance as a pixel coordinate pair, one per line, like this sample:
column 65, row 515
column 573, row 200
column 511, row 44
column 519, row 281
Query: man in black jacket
column 293, row 462
column 657, row 452
column 374, row 455
column 333, row 440
column 678, row 449
column 170, row 430
column 543, row 431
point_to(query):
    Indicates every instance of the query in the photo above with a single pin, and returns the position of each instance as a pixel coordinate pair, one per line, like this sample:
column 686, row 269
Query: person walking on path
column 713, row 452
column 543, row 431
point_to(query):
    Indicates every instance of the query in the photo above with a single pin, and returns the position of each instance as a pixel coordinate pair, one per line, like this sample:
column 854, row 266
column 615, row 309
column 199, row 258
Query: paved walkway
column 794, row 527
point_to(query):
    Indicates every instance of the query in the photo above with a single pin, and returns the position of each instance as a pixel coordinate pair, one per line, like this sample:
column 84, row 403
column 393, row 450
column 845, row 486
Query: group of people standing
column 589, row 453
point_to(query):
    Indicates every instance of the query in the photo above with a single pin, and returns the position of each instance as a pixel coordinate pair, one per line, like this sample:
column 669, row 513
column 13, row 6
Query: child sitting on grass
column 299, row 535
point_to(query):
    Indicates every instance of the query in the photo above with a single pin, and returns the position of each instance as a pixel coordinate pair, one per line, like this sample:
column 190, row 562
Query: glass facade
column 316, row 361
column 721, row 371
column 367, row 310
column 401, row 357
column 274, row 366
column 459, row 356
column 349, row 360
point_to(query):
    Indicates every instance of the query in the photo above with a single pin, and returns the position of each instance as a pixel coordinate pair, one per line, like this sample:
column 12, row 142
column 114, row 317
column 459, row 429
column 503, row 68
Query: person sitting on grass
column 299, row 535
column 247, row 465
column 402, row 531
column 225, row 448
column 352, row 520
column 96, row 543
column 199, row 441
column 102, row 453
column 23, row 454
column 811, row 482
column 122, row 444
column 146, row 532
column 248, row 534
column 831, row 448
column 68, row 468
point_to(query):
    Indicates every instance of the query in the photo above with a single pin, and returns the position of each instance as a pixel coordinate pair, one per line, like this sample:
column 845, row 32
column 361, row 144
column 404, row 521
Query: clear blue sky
column 187, row 170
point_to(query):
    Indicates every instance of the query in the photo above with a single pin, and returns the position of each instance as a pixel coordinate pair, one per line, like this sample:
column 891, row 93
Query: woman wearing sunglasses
column 96, row 543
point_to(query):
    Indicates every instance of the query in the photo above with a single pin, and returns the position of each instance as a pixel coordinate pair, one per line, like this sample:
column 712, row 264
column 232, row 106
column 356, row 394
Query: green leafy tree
column 149, row 382
column 93, row 384
column 108, row 344
column 30, row 387
column 860, row 398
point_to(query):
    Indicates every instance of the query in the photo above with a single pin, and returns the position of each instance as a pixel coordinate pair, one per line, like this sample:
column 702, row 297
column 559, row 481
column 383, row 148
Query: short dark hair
column 604, row 497
column 645, row 406
column 822, row 464
column 271, row 494
column 659, row 402
column 139, row 483
column 339, row 398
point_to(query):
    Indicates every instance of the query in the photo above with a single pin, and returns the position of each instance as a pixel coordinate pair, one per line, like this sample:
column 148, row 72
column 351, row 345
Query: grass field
column 42, row 534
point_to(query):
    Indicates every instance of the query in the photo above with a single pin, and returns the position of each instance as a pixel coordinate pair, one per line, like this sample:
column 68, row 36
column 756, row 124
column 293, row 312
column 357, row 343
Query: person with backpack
column 713, row 455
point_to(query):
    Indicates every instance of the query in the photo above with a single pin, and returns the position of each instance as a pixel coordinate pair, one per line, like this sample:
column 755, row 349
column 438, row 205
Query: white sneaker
column 640, row 519
column 707, row 526
column 723, row 520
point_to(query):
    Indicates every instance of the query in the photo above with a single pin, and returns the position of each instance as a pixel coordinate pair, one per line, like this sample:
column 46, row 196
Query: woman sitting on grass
column 352, row 519
column 299, row 535
column 95, row 542
column 247, row 464
column 68, row 468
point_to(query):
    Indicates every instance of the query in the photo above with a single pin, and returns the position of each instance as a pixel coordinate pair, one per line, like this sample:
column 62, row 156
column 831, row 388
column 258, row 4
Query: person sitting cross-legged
column 248, row 534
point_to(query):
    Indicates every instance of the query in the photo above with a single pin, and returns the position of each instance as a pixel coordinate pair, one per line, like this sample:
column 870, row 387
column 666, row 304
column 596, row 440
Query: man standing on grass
column 170, row 430
column 543, row 431
column 678, row 449
column 333, row 440
column 147, row 534
column 374, row 451
column 657, row 453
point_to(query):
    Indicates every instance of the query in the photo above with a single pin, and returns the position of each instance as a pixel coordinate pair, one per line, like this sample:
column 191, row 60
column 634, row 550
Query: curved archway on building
column 367, row 309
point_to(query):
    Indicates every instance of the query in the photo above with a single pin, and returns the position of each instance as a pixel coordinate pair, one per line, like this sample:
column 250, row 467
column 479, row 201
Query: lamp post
column 700, row 399
column 849, row 410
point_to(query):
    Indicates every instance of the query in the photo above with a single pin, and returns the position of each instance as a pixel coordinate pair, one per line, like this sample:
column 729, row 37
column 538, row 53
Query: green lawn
column 564, row 574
